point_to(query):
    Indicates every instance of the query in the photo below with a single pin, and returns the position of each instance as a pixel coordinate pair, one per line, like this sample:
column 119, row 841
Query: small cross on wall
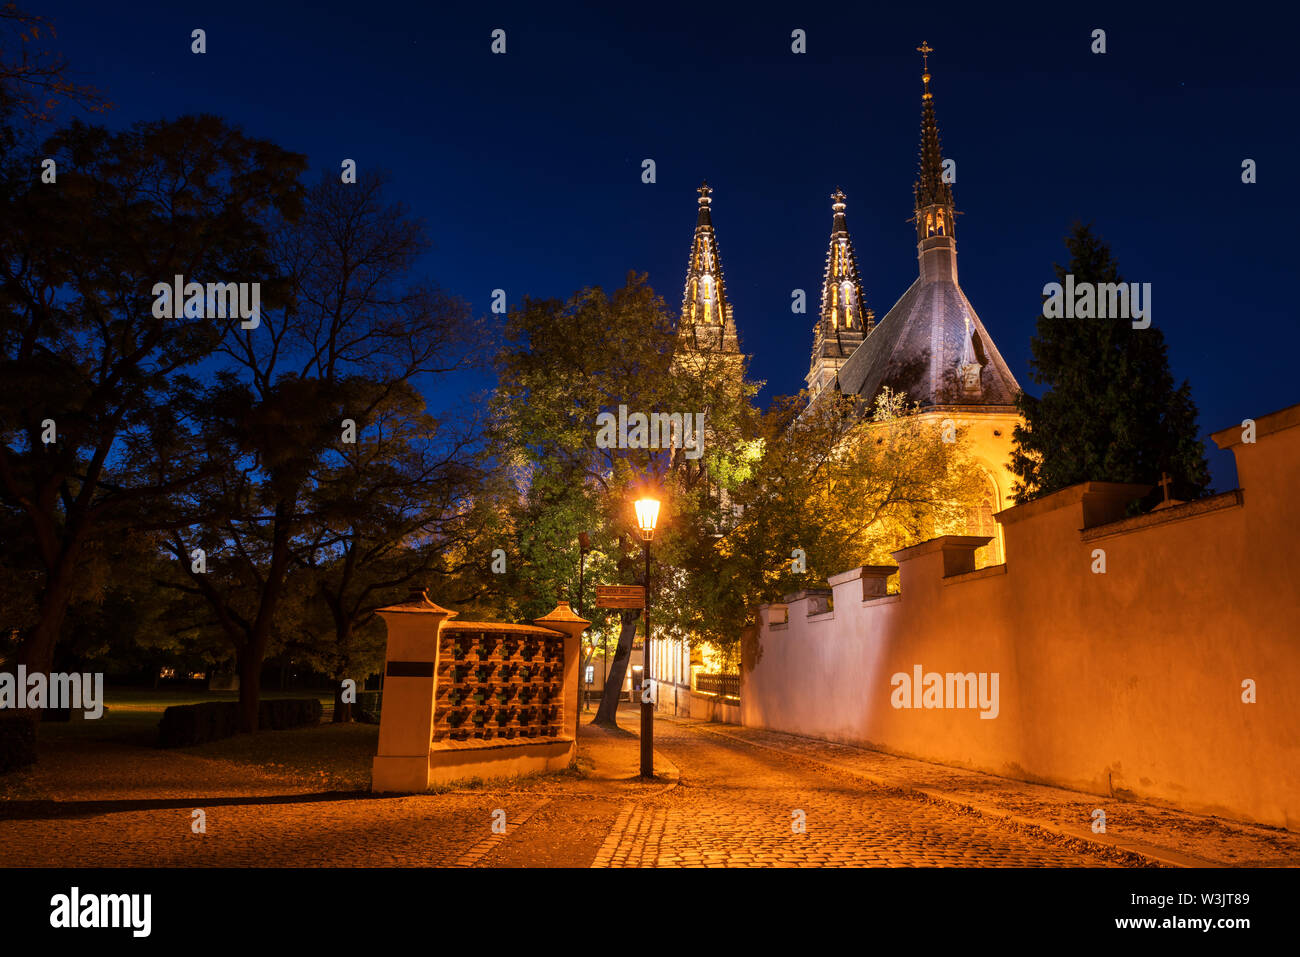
column 1164, row 483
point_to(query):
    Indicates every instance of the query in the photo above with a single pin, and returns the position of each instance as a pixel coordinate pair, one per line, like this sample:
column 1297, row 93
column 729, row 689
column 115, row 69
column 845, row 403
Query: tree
column 1111, row 412
column 34, row 76
column 354, row 334
column 386, row 515
column 825, row 491
column 88, row 370
column 563, row 364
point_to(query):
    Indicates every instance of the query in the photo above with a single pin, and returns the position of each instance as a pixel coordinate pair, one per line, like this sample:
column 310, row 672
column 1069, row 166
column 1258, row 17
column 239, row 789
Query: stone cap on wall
column 958, row 552
column 562, row 619
column 499, row 628
column 806, row 593
column 818, row 599
column 1102, row 502
column 418, row 604
column 1265, row 425
column 413, row 629
column 874, row 578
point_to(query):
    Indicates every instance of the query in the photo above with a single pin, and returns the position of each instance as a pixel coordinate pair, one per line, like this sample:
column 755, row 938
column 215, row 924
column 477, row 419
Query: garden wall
column 475, row 699
column 1126, row 682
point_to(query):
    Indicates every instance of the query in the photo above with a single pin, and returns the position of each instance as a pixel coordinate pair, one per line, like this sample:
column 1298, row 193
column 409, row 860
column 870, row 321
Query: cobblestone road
column 735, row 806
column 732, row 806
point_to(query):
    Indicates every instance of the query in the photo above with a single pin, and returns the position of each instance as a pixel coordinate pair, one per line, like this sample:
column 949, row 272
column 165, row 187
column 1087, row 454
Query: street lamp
column 647, row 516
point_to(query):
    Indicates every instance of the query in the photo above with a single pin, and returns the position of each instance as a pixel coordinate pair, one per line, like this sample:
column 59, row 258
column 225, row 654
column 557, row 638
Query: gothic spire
column 935, row 216
column 931, row 344
column 706, row 313
column 930, row 189
column 844, row 319
column 843, row 309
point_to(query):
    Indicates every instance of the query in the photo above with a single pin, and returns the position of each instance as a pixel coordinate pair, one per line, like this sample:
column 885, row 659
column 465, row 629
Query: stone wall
column 525, row 675
column 1126, row 683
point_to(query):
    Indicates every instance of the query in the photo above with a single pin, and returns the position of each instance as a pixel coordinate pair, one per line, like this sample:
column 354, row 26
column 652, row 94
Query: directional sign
column 620, row 596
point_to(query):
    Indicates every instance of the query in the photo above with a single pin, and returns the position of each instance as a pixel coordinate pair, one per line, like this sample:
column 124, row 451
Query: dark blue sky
column 527, row 166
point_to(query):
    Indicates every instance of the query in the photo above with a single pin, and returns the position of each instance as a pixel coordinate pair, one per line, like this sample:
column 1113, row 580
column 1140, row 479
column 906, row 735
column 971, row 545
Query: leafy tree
column 34, row 77
column 842, row 490
column 562, row 365
column 87, row 371
column 386, row 515
column 1111, row 412
column 355, row 334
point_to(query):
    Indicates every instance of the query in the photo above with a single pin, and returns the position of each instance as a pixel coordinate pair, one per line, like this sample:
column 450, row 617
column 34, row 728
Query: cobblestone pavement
column 303, row 831
column 1161, row 833
column 124, row 806
column 720, row 802
column 735, row 806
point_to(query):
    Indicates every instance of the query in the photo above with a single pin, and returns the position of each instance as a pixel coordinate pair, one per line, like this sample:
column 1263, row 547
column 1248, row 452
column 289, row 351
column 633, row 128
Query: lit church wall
column 1127, row 682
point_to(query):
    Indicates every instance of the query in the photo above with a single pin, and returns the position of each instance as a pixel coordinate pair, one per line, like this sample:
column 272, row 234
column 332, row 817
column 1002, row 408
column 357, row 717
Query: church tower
column 706, row 324
column 933, row 346
column 934, row 214
column 707, row 350
column 844, row 320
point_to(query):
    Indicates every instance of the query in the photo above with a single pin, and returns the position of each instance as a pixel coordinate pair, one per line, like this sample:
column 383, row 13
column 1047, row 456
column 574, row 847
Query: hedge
column 188, row 724
column 17, row 743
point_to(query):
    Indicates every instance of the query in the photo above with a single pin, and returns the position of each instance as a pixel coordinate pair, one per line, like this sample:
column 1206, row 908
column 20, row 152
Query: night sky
column 527, row 166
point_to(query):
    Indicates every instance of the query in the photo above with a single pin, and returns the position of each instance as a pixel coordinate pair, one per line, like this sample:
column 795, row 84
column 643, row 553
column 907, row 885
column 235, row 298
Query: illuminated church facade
column 930, row 345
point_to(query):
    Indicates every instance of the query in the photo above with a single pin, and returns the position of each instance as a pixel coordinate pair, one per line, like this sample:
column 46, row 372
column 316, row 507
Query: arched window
column 980, row 521
column 941, row 222
column 929, row 224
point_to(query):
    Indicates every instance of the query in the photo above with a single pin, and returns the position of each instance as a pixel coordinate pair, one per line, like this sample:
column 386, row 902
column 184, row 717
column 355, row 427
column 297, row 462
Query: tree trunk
column 342, row 709
column 37, row 652
column 252, row 653
column 249, row 663
column 342, row 641
column 608, row 710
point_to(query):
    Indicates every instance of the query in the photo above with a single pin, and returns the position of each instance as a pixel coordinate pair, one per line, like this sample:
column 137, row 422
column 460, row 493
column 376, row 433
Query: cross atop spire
column 925, row 50
column 703, row 218
column 934, row 202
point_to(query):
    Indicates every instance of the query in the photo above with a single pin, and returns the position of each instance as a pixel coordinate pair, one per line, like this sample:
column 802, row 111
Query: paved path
column 739, row 806
column 1160, row 834
column 725, row 796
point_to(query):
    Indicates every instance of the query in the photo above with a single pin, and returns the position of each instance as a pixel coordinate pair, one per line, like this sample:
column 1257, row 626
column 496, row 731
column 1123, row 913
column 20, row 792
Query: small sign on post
column 620, row 596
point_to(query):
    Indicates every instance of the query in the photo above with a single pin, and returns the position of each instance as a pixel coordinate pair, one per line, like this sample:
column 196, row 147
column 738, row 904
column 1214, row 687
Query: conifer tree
column 1111, row 411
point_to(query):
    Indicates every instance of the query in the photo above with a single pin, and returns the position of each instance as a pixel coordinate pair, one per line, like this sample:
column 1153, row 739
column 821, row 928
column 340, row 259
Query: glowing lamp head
column 647, row 516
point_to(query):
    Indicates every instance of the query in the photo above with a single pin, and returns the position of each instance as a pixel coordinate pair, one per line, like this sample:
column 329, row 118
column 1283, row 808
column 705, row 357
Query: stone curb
column 489, row 844
column 605, row 853
column 1145, row 852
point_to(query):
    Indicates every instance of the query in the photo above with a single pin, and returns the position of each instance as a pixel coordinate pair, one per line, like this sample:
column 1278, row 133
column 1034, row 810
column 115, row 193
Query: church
column 930, row 345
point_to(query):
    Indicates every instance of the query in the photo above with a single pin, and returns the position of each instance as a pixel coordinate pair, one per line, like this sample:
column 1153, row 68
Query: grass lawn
column 327, row 756
column 334, row 757
column 132, row 715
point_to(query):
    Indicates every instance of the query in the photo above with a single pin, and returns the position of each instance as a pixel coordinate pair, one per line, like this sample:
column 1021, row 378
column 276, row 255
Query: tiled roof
column 916, row 349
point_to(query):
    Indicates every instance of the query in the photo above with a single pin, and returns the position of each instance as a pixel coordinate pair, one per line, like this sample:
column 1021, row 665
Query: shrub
column 285, row 713
column 17, row 743
column 189, row 724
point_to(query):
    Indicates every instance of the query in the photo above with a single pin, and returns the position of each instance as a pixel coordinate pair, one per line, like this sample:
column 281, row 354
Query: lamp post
column 647, row 516
column 584, row 546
